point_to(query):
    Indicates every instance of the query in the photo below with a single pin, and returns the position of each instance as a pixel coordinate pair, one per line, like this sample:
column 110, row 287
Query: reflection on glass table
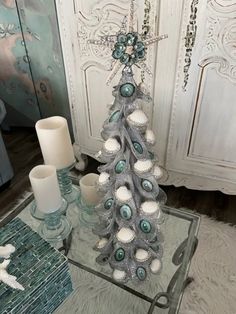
column 160, row 293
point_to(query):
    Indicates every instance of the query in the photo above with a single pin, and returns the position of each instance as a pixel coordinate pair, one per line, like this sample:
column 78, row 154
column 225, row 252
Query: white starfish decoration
column 109, row 41
column 11, row 281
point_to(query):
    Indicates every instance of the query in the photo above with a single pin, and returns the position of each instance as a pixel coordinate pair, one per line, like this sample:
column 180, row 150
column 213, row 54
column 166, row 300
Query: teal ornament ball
column 145, row 226
column 119, row 255
column 117, row 54
column 120, row 166
column 147, row 185
column 120, row 47
column 131, row 39
column 126, row 212
column 115, row 116
column 127, row 90
column 125, row 58
column 140, row 54
column 139, row 46
column 133, row 59
column 121, row 38
column 138, row 147
column 141, row 273
column 109, row 203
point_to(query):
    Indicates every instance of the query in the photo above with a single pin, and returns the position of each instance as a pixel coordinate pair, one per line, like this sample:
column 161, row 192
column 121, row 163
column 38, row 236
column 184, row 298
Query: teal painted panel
column 32, row 75
column 16, row 84
column 39, row 22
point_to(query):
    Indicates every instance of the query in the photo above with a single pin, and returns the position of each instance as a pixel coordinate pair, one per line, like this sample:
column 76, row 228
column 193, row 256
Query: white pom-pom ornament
column 143, row 165
column 155, row 266
column 157, row 172
column 123, row 194
column 150, row 137
column 119, row 275
column 125, row 235
column 111, row 145
column 101, row 243
column 150, row 207
column 138, row 118
column 141, row 255
column 103, row 178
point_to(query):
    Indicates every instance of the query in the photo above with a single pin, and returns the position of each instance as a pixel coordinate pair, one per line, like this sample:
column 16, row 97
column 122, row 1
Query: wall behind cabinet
column 32, row 78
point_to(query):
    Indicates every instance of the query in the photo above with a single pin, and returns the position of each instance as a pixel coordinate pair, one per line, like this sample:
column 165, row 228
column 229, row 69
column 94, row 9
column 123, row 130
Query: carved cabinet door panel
column 202, row 136
column 88, row 66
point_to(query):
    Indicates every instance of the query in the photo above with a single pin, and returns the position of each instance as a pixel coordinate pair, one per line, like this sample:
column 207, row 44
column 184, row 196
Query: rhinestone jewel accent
column 138, row 147
column 120, row 166
column 115, row 116
column 127, row 90
column 147, row 185
column 141, row 273
column 119, row 254
column 126, row 212
column 109, row 203
column 145, row 226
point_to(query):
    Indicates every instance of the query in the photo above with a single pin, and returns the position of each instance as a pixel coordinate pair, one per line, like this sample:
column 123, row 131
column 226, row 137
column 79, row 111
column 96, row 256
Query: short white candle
column 150, row 207
column 45, row 187
column 103, row 178
column 143, row 165
column 88, row 187
column 125, row 235
column 119, row 274
column 112, row 145
column 123, row 194
column 55, row 142
column 155, row 265
column 138, row 117
column 141, row 255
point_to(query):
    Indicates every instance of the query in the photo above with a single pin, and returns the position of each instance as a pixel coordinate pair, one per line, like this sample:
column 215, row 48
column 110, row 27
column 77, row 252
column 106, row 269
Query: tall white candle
column 45, row 187
column 55, row 142
column 88, row 187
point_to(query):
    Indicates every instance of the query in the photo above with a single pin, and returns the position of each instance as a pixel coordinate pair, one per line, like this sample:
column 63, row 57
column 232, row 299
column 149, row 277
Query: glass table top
column 87, row 275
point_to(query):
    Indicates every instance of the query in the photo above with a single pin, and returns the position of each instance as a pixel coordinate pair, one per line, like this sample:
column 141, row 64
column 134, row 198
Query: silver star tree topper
column 128, row 46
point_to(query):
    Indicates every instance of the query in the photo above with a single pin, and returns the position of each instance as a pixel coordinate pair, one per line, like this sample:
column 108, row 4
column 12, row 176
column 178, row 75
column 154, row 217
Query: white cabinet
column 193, row 86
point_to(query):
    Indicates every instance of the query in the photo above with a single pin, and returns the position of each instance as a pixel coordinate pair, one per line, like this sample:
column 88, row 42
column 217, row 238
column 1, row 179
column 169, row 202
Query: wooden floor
column 24, row 153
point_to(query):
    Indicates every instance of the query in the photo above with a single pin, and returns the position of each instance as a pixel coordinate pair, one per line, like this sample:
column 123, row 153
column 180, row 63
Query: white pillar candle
column 55, row 142
column 88, row 187
column 45, row 187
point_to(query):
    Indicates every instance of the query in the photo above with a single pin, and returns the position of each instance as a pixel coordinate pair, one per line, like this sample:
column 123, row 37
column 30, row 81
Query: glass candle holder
column 37, row 214
column 68, row 191
column 55, row 227
column 89, row 198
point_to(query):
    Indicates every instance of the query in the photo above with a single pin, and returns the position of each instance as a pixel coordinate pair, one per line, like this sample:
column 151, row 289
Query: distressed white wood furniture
column 193, row 87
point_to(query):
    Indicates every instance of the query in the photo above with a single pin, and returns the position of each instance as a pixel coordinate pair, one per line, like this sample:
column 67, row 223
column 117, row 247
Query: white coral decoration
column 5, row 252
